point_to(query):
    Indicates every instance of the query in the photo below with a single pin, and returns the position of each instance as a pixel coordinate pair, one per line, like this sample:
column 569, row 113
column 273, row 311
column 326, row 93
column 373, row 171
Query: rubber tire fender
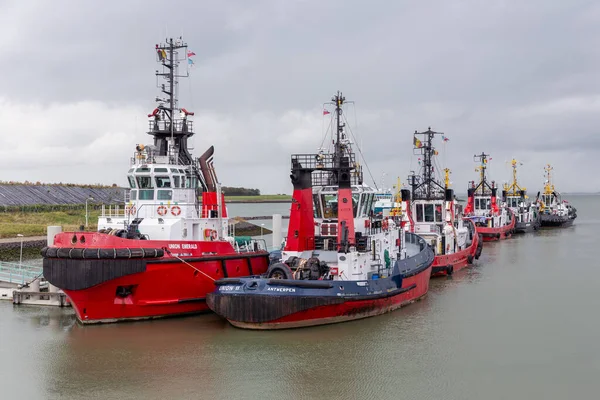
column 280, row 268
column 470, row 259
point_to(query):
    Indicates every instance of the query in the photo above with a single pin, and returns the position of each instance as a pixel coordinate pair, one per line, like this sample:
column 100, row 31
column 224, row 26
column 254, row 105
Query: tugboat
column 434, row 215
column 339, row 263
column 160, row 254
column 493, row 221
column 527, row 215
column 554, row 211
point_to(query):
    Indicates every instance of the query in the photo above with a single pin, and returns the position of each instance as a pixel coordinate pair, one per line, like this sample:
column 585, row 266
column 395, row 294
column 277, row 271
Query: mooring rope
column 188, row 264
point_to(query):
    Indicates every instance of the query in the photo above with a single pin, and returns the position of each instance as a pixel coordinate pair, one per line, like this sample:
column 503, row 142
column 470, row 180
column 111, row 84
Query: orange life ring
column 214, row 235
column 175, row 210
column 384, row 224
column 161, row 210
column 132, row 210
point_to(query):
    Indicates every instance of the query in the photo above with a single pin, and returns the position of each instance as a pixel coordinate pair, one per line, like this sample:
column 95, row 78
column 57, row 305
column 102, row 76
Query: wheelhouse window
column 370, row 204
column 190, row 182
column 438, row 213
column 547, row 199
column 364, row 205
column 176, row 181
column 144, row 182
column 317, row 212
column 174, row 170
column 483, row 204
column 420, row 213
column 165, row 195
column 161, row 170
column 146, row 195
column 143, row 169
column 429, row 217
column 163, row 181
column 133, row 195
column 131, row 181
column 330, row 205
column 355, row 201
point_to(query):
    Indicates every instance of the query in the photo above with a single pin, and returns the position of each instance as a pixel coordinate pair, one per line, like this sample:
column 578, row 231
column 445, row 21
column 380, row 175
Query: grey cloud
column 510, row 78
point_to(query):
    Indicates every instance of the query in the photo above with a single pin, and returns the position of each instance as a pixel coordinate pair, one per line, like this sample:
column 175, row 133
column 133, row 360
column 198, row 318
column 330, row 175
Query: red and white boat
column 493, row 221
column 160, row 254
column 339, row 262
column 433, row 213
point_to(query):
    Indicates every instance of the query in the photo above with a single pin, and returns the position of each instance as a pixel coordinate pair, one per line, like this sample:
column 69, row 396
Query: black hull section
column 260, row 309
column 554, row 221
column 69, row 274
column 526, row 227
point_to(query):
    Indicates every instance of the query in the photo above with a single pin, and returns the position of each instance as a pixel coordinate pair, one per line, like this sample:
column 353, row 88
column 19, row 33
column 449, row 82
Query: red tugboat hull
column 172, row 285
column 499, row 233
column 444, row 265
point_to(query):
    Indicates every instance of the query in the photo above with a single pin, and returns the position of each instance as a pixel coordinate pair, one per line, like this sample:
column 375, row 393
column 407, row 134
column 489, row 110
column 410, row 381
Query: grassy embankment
column 33, row 220
column 35, row 223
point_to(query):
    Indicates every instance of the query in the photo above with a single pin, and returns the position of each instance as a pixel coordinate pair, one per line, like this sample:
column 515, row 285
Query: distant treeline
column 240, row 191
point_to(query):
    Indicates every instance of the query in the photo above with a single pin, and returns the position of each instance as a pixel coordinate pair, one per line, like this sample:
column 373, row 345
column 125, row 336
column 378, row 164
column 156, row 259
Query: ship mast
column 339, row 148
column 483, row 159
column 427, row 187
column 548, row 186
column 514, row 186
column 166, row 127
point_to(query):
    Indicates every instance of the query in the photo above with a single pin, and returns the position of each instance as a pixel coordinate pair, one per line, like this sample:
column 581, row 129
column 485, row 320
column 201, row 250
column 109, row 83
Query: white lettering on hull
column 280, row 289
column 183, row 246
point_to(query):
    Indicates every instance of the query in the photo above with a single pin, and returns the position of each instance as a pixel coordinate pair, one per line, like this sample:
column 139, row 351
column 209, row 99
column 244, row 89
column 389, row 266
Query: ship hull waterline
column 265, row 304
column 116, row 290
column 556, row 222
column 527, row 227
column 445, row 265
column 497, row 233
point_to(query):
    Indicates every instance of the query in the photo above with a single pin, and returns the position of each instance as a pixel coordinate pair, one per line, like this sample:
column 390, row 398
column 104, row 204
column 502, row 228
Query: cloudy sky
column 512, row 78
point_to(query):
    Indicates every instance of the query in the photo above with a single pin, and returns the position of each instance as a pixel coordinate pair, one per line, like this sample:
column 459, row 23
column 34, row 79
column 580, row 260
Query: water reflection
column 518, row 323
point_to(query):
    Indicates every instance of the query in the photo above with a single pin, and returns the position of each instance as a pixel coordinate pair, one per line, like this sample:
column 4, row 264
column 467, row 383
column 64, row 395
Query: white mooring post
column 52, row 231
column 276, row 231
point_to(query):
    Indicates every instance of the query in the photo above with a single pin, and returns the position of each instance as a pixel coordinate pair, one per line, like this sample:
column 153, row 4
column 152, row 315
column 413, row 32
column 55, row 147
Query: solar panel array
column 20, row 195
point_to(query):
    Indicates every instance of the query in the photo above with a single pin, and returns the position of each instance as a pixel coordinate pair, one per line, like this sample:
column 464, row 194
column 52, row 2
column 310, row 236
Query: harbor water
column 522, row 323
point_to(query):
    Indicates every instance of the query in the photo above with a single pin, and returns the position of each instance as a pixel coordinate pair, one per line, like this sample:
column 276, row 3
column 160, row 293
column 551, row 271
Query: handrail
column 18, row 273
